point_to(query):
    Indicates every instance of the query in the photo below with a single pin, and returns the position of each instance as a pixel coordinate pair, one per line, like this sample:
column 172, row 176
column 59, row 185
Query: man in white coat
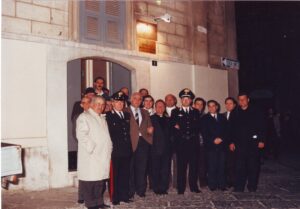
column 94, row 153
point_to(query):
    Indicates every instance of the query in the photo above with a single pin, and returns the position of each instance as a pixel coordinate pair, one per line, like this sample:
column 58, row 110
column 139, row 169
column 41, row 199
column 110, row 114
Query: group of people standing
column 138, row 142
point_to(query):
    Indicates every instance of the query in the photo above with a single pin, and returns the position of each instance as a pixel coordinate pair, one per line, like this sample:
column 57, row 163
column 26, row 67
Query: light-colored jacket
column 94, row 147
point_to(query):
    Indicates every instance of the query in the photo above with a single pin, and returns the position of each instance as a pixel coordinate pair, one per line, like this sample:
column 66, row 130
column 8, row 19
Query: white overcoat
column 94, row 147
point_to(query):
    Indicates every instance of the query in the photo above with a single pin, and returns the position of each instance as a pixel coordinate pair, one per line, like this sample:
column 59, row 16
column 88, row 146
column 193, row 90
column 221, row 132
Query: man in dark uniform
column 186, row 122
column 119, row 128
column 247, row 141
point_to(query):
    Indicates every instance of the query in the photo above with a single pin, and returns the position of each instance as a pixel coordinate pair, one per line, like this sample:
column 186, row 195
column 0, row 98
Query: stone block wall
column 42, row 18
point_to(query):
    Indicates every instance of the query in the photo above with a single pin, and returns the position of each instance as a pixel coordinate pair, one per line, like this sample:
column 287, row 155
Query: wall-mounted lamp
column 166, row 17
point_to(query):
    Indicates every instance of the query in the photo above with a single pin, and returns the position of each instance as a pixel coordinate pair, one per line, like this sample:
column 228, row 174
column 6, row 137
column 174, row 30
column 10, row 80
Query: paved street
column 279, row 187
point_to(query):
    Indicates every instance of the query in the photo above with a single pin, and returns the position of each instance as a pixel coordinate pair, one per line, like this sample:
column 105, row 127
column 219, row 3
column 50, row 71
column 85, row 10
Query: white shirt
column 186, row 109
column 100, row 93
column 120, row 113
column 169, row 110
column 134, row 111
column 227, row 115
column 137, row 110
column 214, row 115
column 150, row 111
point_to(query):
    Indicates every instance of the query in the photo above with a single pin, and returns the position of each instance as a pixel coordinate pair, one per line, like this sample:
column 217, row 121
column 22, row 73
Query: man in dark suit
column 247, row 141
column 230, row 105
column 171, row 103
column 141, row 131
column 200, row 104
column 160, row 150
column 186, row 122
column 214, row 130
column 118, row 123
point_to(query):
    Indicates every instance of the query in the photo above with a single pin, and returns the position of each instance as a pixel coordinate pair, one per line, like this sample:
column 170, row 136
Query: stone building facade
column 39, row 38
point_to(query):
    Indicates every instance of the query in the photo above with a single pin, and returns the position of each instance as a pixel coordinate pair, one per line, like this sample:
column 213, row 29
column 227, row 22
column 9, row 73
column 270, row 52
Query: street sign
column 228, row 63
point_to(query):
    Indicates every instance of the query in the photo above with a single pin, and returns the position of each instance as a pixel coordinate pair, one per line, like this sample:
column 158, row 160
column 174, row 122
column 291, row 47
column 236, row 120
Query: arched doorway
column 80, row 75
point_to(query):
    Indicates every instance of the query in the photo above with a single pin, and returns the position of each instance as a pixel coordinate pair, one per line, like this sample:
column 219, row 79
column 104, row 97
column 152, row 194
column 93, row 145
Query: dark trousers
column 216, row 169
column 173, row 170
column 80, row 192
column 202, row 167
column 230, row 168
column 92, row 192
column 121, row 168
column 187, row 156
column 160, row 172
column 138, row 168
column 247, row 170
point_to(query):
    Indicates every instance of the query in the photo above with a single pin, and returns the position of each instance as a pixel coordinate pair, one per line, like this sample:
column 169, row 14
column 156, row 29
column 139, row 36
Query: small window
column 102, row 22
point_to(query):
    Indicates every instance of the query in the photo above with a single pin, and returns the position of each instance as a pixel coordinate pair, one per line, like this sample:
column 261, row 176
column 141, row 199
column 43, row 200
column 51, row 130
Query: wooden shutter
column 91, row 27
column 102, row 22
column 114, row 21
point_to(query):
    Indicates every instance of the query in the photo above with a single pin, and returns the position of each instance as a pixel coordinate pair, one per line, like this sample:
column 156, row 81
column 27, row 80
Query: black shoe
column 223, row 189
column 164, row 192
column 127, row 201
column 94, row 207
column 141, row 195
column 212, row 189
column 238, row 190
column 116, row 202
column 252, row 190
column 104, row 206
column 229, row 185
column 180, row 192
column 80, row 201
column 196, row 191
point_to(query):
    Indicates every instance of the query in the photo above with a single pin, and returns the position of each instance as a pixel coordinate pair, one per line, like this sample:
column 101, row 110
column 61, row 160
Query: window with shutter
column 102, row 22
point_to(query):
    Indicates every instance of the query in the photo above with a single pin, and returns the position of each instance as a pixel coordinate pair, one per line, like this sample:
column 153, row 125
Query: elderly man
column 94, row 153
column 141, row 139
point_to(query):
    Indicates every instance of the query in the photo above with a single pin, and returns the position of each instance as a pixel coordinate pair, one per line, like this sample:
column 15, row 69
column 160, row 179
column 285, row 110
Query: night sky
column 268, row 39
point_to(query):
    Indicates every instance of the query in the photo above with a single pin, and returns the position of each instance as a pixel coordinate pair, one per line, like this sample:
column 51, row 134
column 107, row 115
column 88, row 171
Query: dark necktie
column 136, row 117
column 121, row 115
column 186, row 111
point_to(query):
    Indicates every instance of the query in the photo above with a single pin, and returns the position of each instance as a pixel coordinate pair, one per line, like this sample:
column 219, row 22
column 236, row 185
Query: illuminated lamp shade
column 146, row 30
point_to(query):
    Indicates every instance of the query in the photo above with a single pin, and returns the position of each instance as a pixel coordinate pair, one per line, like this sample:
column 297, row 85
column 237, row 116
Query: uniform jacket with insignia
column 119, row 130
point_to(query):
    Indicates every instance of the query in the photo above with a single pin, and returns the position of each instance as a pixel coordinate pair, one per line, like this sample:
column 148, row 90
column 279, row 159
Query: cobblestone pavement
column 279, row 187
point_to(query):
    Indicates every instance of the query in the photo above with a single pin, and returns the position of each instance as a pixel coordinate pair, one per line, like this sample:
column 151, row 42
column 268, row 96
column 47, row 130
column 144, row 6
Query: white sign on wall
column 228, row 63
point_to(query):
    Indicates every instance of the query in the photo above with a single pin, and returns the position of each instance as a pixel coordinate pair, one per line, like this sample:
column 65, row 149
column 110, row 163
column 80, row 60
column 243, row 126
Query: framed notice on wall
column 146, row 37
